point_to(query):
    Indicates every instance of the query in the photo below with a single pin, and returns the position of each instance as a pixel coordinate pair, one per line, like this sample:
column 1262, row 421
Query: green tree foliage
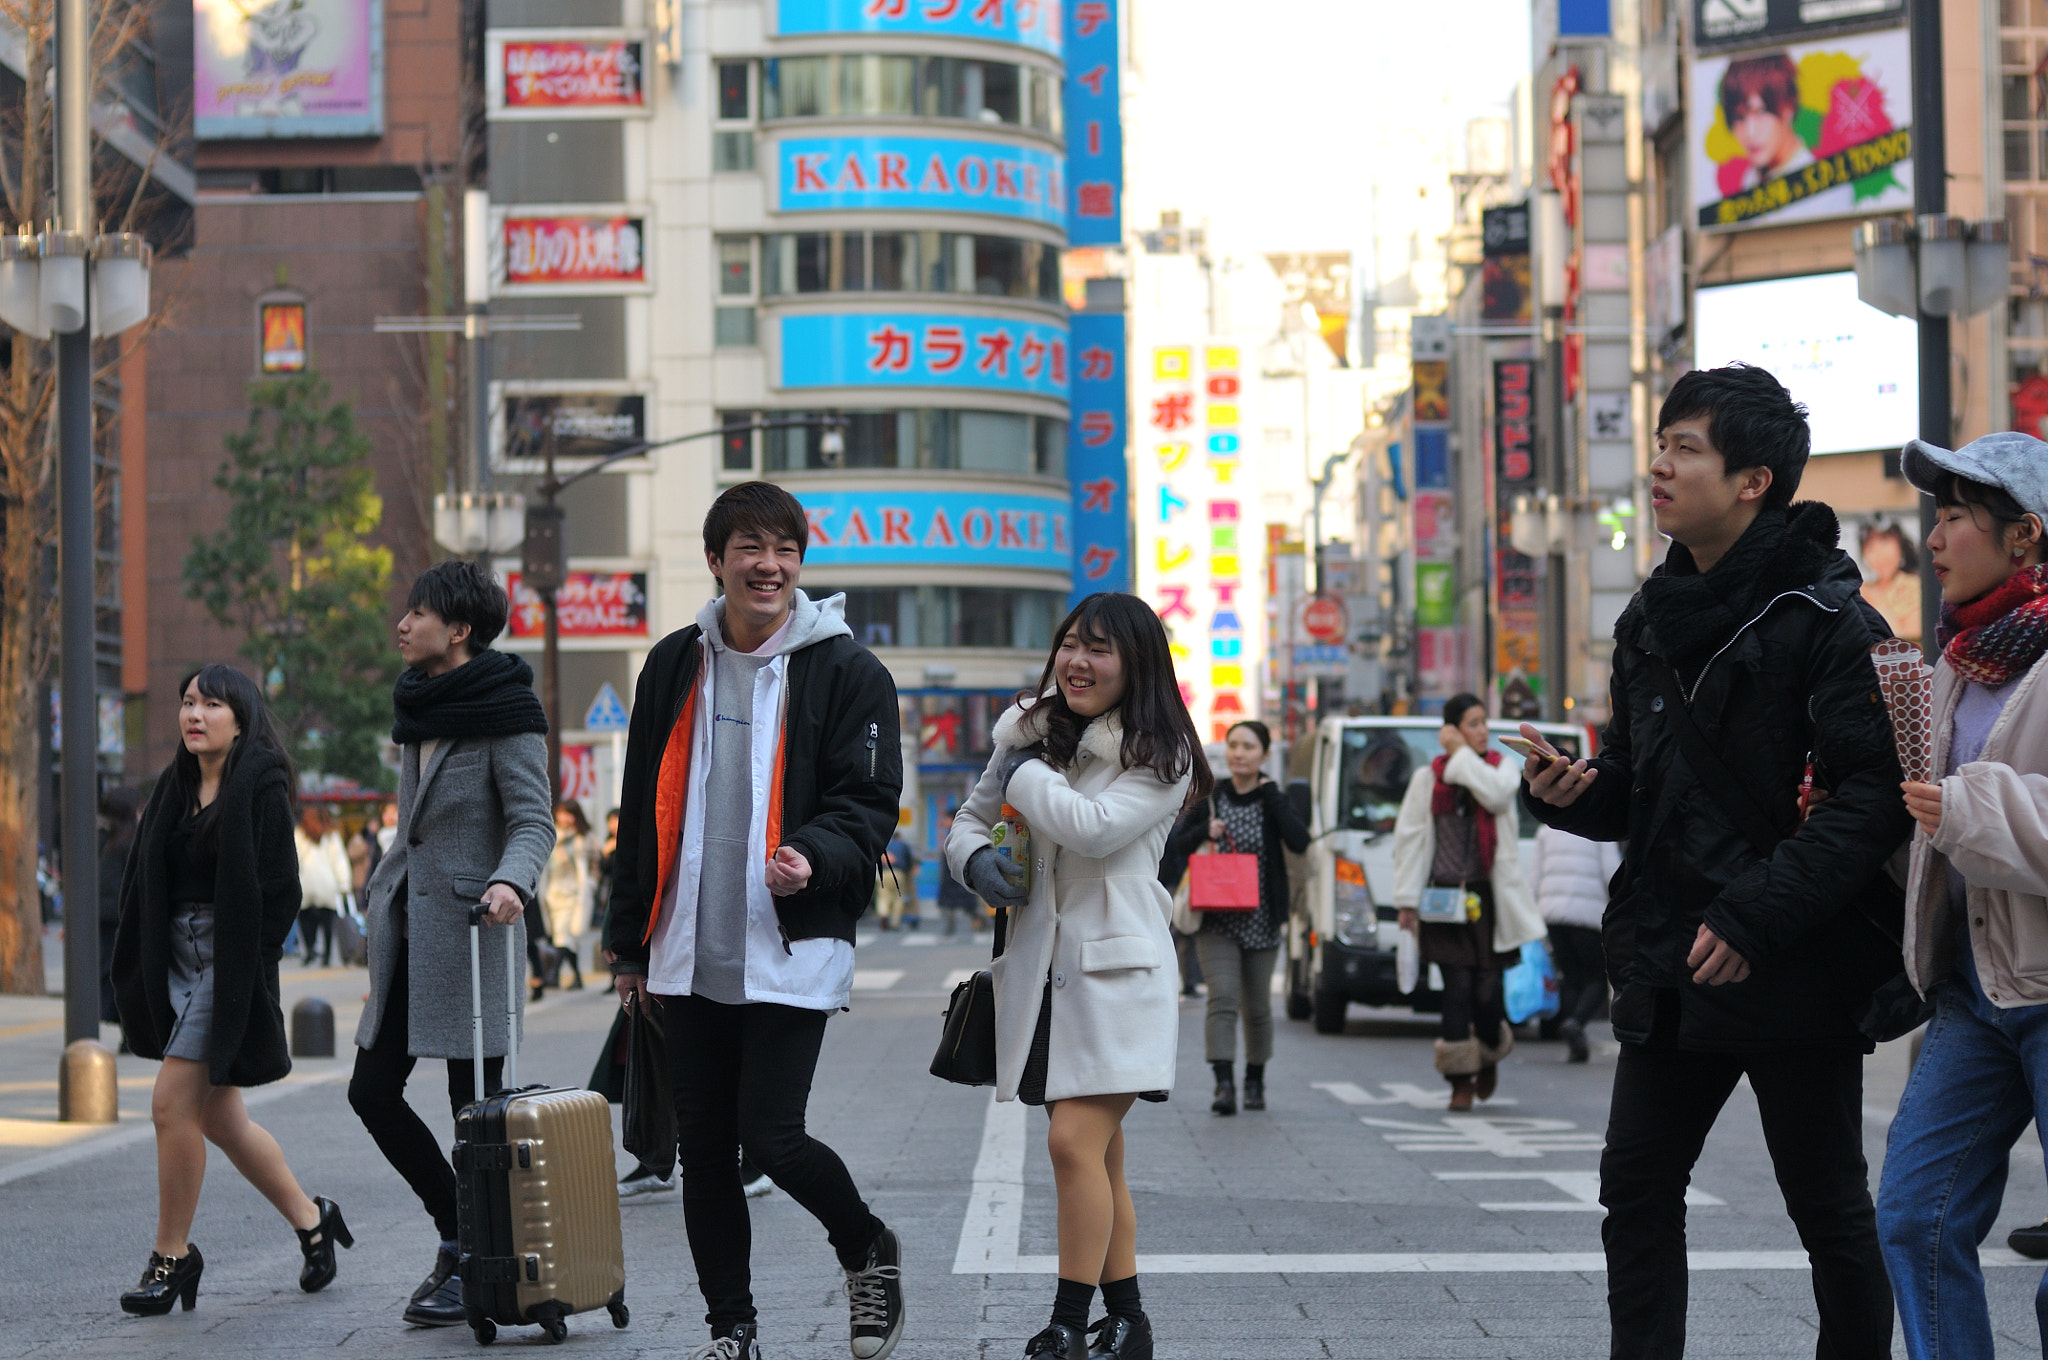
column 292, row 572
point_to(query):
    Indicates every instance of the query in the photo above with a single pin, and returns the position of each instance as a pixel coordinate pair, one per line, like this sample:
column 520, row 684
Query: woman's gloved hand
column 995, row 880
column 1014, row 761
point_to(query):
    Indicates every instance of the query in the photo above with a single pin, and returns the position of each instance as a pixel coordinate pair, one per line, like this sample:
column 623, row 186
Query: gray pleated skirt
column 191, row 980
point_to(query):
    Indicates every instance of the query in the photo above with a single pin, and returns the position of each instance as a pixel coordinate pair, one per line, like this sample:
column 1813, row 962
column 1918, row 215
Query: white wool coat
column 1096, row 921
column 1494, row 787
column 1571, row 875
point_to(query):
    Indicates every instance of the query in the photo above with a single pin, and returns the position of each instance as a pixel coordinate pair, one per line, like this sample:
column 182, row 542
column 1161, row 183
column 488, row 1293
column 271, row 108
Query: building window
column 909, row 261
column 736, row 328
column 735, row 322
column 736, row 446
column 952, row 616
column 1002, row 442
column 732, row 141
column 870, row 85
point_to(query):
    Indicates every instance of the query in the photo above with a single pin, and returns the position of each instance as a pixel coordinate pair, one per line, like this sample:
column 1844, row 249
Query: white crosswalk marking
column 864, row 938
column 956, row 977
column 919, row 941
column 1582, row 1186
column 1501, row 1137
column 876, row 979
column 1397, row 1093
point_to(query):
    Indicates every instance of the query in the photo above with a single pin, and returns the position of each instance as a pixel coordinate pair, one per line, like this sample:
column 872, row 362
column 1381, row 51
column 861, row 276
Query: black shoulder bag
column 967, row 1044
column 1895, row 1006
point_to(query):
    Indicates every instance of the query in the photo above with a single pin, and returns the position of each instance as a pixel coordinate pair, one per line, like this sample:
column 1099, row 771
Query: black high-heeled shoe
column 166, row 1280
column 317, row 1242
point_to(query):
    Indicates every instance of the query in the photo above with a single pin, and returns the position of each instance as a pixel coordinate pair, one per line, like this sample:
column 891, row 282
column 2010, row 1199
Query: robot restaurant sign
column 925, row 174
column 937, row 528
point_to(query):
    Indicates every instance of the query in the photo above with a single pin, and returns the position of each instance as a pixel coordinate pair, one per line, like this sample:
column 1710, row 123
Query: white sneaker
column 641, row 1181
column 760, row 1187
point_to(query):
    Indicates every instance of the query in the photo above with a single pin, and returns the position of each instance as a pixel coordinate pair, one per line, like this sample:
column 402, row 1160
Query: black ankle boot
column 1226, row 1091
column 166, row 1280
column 1057, row 1342
column 317, row 1242
column 1254, row 1087
column 1122, row 1338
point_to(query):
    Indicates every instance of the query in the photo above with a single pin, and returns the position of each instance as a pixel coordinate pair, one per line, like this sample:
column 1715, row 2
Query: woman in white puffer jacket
column 1571, row 874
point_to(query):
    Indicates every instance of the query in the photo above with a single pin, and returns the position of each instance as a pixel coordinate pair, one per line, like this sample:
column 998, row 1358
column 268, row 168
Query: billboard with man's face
column 1802, row 132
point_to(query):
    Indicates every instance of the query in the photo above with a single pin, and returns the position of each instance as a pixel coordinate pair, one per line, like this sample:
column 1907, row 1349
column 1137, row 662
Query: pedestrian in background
column 324, row 879
column 565, row 891
column 901, row 859
column 207, row 901
column 1248, row 814
column 120, row 811
column 1977, row 893
column 386, row 830
column 1753, row 633
column 1571, row 875
column 763, row 775
column 473, row 827
column 1098, row 762
column 363, row 853
column 1457, row 830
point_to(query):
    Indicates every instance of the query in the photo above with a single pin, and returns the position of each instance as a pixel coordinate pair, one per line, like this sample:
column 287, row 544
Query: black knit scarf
column 490, row 695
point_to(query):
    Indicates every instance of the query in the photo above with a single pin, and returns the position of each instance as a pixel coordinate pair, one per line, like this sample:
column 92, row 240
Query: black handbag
column 967, row 1042
column 649, row 1109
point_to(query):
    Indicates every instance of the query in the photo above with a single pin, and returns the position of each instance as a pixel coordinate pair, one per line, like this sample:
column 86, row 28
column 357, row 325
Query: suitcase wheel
column 621, row 1315
column 557, row 1330
column 486, row 1332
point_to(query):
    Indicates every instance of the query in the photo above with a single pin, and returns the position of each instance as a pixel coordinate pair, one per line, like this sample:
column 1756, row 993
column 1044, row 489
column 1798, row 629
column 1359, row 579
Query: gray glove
column 995, row 880
column 1014, row 761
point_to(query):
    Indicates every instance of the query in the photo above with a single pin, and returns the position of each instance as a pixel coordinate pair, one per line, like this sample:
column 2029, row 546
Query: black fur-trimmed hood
column 1685, row 615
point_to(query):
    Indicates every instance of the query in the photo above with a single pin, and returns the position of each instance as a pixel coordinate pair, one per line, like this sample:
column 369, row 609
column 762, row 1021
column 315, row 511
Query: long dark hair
column 259, row 729
column 1158, row 733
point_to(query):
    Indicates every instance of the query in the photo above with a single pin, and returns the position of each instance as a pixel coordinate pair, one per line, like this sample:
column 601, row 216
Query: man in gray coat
column 474, row 825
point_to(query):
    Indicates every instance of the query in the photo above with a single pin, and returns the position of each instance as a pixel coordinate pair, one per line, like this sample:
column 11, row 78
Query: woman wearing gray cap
column 1976, row 929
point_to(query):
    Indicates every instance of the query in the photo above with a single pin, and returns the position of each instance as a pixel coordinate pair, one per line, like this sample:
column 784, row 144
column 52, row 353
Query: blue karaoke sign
column 1094, row 122
column 910, row 349
column 1095, row 456
column 1027, row 23
column 937, row 528
column 927, row 174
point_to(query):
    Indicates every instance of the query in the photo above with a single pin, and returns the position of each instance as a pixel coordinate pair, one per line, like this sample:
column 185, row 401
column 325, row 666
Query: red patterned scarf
column 1446, row 799
column 2000, row 634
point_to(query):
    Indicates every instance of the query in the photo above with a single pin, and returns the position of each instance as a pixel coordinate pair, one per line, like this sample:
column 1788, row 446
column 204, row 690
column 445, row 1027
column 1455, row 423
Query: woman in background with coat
column 1457, row 830
column 1097, row 763
column 1247, row 815
column 210, row 894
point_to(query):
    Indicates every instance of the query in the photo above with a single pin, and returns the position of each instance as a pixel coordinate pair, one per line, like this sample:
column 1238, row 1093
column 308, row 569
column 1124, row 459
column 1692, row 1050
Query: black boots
column 166, row 1280
column 1255, row 1086
column 1226, row 1090
column 1057, row 1342
column 1119, row 1338
column 317, row 1242
column 1575, row 1041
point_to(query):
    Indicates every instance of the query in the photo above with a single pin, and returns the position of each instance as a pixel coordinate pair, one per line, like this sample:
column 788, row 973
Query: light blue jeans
column 1982, row 1074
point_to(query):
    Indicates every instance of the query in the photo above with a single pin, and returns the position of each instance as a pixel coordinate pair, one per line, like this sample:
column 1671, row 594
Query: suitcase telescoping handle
column 477, row 912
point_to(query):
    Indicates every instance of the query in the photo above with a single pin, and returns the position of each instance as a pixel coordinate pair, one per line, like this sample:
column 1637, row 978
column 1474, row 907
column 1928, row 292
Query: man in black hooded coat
column 1728, row 962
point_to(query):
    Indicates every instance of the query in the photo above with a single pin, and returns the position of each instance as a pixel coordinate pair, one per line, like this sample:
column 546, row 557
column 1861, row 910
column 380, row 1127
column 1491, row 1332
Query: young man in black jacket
column 762, row 778
column 1743, row 661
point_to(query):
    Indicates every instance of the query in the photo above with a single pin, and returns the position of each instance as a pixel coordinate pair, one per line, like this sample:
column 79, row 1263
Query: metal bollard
column 87, row 1092
column 312, row 1029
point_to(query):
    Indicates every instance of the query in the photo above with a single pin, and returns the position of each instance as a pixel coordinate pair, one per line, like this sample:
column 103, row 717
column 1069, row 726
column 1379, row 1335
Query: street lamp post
column 1930, row 197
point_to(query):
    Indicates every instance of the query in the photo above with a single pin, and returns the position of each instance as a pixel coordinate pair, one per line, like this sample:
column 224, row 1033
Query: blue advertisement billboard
column 914, row 349
column 937, row 528
column 1028, row 23
column 1095, row 456
column 929, row 174
column 1095, row 137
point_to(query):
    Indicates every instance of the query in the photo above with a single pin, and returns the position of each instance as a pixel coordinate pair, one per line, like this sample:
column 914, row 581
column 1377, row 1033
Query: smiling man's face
column 759, row 572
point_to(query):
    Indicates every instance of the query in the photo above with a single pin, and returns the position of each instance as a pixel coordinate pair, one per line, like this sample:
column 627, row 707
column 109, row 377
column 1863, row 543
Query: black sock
column 1221, row 1069
column 1120, row 1298
column 1070, row 1305
column 1254, row 1072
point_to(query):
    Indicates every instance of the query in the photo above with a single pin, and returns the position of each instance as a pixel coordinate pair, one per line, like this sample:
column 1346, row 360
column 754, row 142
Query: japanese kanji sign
column 566, row 74
column 1095, row 456
column 592, row 604
column 925, row 174
column 899, row 349
column 575, row 250
column 1030, row 23
column 1094, row 125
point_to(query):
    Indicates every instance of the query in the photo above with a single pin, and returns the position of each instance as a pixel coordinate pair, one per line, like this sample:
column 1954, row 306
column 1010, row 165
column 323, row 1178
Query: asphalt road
column 1354, row 1218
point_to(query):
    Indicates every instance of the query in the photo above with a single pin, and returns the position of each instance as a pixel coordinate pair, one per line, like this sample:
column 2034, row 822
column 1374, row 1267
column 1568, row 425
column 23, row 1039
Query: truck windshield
column 1376, row 764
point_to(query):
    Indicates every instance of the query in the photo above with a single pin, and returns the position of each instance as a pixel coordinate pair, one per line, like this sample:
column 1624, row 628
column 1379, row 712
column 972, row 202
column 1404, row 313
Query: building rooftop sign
column 1028, row 23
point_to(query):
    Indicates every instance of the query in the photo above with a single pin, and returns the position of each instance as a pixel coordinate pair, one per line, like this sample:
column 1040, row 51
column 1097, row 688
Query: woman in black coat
column 209, row 896
column 1249, row 814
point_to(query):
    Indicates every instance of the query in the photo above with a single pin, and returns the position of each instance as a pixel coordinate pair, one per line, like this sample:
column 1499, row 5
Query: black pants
column 376, row 1092
column 742, row 1075
column 1665, row 1100
column 1473, row 1008
column 1582, row 972
column 316, row 929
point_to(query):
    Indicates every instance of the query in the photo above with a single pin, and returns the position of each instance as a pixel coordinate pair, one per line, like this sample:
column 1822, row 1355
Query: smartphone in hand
column 1522, row 746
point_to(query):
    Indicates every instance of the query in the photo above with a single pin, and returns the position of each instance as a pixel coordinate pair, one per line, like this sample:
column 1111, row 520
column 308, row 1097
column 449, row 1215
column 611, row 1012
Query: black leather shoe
column 317, row 1242
column 2031, row 1242
column 1254, row 1093
column 442, row 1308
column 166, row 1280
column 1226, row 1097
column 1057, row 1342
column 1121, row 1338
column 445, row 1262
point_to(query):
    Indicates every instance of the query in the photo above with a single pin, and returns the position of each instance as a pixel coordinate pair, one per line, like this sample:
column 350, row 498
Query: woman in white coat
column 1456, row 835
column 1087, row 993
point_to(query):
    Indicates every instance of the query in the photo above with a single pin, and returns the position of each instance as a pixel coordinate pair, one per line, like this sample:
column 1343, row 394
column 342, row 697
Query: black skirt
column 1469, row 945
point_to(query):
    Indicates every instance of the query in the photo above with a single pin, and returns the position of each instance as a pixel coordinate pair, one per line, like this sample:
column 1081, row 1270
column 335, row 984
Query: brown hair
column 1772, row 79
column 759, row 508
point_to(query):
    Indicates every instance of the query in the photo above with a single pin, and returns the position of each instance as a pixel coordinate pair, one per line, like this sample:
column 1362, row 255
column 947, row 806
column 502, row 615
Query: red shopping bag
column 1225, row 881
